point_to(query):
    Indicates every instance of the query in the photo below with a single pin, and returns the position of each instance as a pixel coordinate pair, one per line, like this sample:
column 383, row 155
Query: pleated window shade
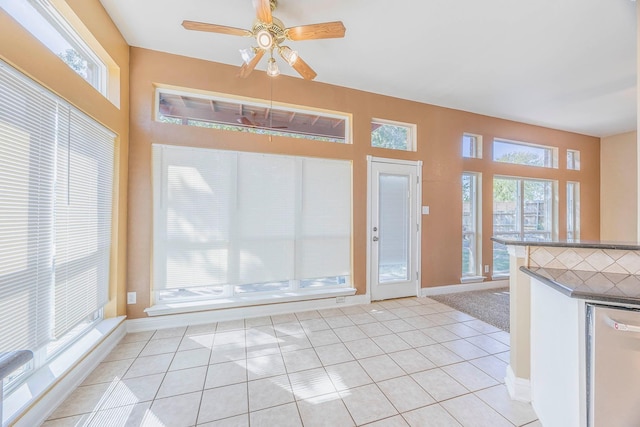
column 56, row 175
column 236, row 218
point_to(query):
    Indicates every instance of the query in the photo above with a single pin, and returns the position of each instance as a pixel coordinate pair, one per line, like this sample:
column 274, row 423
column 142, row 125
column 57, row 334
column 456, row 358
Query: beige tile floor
column 405, row 362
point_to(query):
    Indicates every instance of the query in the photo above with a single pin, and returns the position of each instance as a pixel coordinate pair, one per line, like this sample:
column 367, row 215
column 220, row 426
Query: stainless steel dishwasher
column 613, row 366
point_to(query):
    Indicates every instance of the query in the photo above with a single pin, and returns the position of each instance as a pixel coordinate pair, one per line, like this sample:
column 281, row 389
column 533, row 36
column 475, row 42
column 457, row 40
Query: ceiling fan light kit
column 288, row 54
column 269, row 33
column 272, row 68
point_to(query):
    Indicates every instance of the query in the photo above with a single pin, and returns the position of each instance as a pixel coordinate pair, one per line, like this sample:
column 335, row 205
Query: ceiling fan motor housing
column 276, row 29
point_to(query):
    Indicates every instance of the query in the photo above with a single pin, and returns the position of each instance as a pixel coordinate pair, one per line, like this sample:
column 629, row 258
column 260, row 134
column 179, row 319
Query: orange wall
column 439, row 147
column 26, row 53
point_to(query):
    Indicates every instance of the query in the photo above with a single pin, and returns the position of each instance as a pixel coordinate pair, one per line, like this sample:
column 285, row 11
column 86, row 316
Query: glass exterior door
column 393, row 204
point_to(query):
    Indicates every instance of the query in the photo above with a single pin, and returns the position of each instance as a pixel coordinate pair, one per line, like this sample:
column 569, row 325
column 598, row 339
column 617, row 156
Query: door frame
column 418, row 165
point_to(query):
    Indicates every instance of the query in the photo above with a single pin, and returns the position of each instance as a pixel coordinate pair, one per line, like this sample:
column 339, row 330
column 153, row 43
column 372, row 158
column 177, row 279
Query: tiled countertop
column 595, row 286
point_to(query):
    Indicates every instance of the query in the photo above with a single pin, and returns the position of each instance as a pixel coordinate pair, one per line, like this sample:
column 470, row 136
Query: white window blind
column 27, row 159
column 84, row 181
column 56, row 174
column 233, row 218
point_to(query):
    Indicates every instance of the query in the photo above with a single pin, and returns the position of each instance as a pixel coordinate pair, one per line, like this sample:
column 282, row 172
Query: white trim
column 464, row 287
column 203, row 317
column 417, row 164
column 472, row 279
column 369, row 237
column 519, row 388
column 33, row 402
column 240, row 301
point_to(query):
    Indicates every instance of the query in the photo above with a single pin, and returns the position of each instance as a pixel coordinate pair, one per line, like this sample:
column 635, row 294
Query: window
column 56, row 175
column 573, row 160
column 217, row 112
column 472, row 146
column 470, row 225
column 522, row 209
column 573, row 210
column 228, row 224
column 521, row 153
column 394, row 135
column 42, row 20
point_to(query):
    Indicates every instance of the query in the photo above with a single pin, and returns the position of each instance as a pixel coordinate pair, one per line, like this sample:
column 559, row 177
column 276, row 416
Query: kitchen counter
column 585, row 244
column 583, row 270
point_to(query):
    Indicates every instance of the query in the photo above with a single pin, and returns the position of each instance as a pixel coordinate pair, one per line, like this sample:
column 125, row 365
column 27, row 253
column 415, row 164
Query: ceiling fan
column 270, row 34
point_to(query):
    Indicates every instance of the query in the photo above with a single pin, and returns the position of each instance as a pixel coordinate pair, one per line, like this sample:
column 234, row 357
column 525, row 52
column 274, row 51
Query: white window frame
column 520, row 215
column 168, row 299
column 412, row 133
column 55, row 349
column 256, row 103
column 475, row 147
column 476, row 233
column 573, row 160
column 573, row 210
column 551, row 161
column 98, row 70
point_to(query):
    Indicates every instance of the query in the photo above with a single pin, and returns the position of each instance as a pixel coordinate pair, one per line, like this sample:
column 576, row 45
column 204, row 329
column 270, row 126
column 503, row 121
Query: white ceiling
column 564, row 64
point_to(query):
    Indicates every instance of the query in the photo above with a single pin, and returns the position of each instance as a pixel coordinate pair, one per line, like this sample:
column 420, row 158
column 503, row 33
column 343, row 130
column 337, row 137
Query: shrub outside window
column 393, row 135
column 42, row 20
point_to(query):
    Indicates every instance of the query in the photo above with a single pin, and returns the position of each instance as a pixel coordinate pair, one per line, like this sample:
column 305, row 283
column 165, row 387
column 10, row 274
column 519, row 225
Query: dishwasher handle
column 623, row 327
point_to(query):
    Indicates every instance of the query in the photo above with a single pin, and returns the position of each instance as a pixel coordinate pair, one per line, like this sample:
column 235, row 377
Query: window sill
column 244, row 301
column 472, row 279
column 40, row 384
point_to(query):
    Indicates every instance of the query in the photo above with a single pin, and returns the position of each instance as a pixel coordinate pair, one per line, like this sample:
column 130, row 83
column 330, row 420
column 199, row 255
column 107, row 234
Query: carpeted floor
column 491, row 306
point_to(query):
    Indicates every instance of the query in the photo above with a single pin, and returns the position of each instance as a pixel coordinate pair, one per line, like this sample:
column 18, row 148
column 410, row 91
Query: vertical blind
column 223, row 217
column 56, row 174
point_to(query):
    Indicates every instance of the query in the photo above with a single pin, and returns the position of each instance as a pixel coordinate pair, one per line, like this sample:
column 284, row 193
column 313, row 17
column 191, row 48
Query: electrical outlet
column 486, row 268
column 340, row 300
column 131, row 297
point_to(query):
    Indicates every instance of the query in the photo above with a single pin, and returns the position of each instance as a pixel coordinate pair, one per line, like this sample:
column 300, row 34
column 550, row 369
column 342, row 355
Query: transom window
column 43, row 20
column 472, row 146
column 521, row 153
column 217, row 112
column 573, row 160
column 393, row 135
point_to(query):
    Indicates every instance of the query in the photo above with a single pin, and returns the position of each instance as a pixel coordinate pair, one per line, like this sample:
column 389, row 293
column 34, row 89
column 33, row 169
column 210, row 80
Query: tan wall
column 619, row 187
column 23, row 51
column 439, row 147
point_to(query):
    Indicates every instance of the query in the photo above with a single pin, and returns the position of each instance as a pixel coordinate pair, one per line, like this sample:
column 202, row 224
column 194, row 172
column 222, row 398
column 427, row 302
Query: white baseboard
column 52, row 384
column 464, row 287
column 203, row 317
column 519, row 388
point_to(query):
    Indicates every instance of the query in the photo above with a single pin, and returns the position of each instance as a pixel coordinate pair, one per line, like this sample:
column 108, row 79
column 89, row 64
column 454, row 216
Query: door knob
column 375, row 238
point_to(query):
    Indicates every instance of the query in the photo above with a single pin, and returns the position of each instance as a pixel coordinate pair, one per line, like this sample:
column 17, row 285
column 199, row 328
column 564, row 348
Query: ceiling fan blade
column 304, row 70
column 214, row 28
column 246, row 69
column 263, row 10
column 325, row 30
column 245, row 121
